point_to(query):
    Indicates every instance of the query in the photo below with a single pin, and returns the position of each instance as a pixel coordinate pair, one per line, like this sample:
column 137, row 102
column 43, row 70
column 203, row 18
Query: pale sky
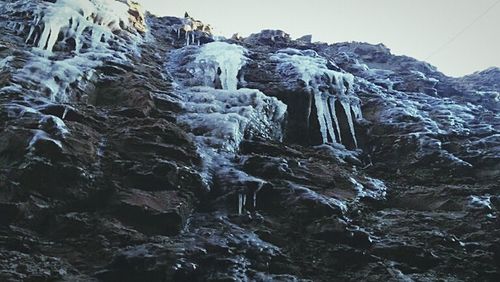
column 417, row 28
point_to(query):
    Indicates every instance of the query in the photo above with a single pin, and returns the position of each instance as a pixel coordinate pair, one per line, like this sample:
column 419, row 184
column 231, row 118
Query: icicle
column 192, row 38
column 358, row 114
column 44, row 37
column 199, row 42
column 69, row 19
column 335, row 118
column 328, row 118
column 187, row 38
column 65, row 113
column 178, row 33
column 347, row 110
column 32, row 29
column 320, row 111
column 240, row 203
column 55, row 28
column 254, row 199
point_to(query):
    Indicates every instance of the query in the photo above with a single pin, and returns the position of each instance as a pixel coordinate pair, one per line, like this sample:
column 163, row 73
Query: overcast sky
column 408, row 27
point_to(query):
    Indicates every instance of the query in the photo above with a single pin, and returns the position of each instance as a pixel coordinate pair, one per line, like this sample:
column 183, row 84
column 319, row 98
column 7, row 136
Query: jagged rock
column 306, row 39
column 162, row 212
column 268, row 37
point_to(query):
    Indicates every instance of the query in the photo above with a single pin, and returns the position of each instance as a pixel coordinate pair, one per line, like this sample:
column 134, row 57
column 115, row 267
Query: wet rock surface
column 112, row 177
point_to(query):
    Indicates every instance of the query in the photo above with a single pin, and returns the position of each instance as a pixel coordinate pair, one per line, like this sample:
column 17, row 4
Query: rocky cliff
column 140, row 148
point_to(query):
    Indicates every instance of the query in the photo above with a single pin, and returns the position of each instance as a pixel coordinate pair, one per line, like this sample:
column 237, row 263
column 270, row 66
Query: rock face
column 138, row 148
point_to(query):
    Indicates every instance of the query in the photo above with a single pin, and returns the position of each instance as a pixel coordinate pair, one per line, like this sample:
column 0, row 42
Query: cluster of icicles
column 73, row 17
column 328, row 88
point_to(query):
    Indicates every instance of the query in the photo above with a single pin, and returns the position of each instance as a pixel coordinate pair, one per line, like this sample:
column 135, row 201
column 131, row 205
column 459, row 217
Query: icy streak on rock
column 356, row 109
column 5, row 61
column 219, row 119
column 42, row 135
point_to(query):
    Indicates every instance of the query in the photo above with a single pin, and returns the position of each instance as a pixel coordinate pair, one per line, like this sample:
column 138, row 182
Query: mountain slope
column 138, row 148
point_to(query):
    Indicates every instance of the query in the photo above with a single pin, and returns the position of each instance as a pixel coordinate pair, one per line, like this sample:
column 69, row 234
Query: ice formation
column 72, row 17
column 219, row 63
column 328, row 88
column 71, row 38
column 480, row 202
column 220, row 116
column 221, row 119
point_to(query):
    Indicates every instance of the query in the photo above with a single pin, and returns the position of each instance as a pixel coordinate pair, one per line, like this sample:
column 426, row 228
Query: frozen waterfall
column 220, row 116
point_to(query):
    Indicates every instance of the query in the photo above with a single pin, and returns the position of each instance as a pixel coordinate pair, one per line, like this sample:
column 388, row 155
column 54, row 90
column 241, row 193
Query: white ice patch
column 219, row 62
column 326, row 86
column 480, row 202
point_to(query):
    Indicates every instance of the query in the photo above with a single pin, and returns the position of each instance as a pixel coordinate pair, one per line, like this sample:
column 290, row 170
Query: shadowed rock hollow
column 138, row 148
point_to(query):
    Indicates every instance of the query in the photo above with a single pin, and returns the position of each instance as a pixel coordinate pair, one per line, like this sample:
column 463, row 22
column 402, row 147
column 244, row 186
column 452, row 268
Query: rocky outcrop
column 135, row 148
